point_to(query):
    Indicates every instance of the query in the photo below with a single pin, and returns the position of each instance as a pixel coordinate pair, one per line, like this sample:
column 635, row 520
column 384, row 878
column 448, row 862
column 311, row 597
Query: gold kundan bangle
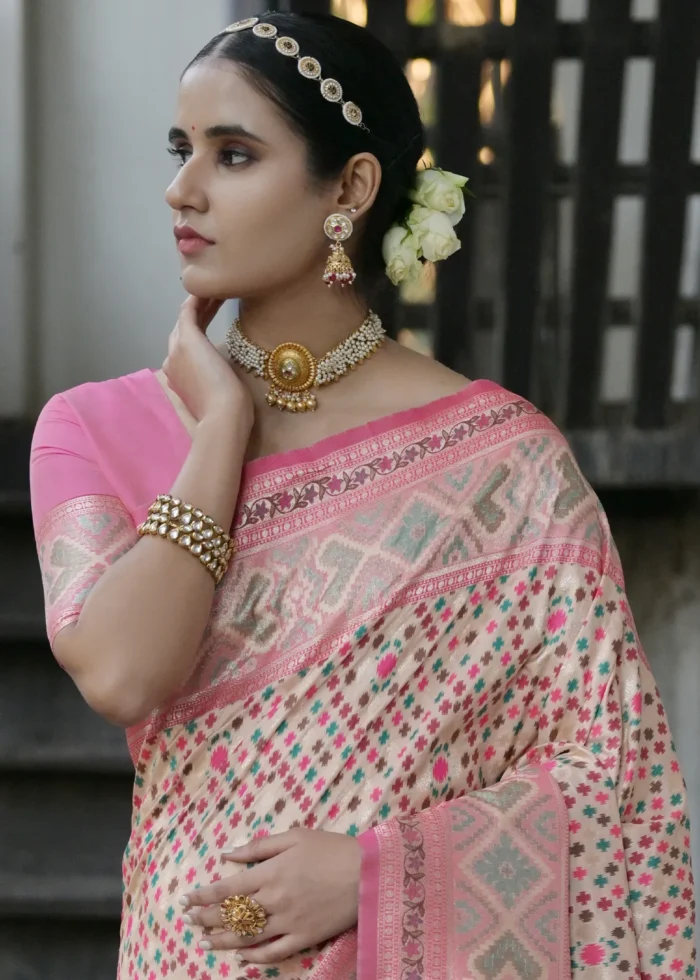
column 168, row 517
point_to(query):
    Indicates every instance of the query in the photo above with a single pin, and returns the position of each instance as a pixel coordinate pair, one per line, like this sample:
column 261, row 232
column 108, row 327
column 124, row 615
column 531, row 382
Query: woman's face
column 243, row 185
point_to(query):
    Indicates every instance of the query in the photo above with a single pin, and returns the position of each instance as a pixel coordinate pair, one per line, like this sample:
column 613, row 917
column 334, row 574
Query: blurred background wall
column 88, row 276
column 89, row 289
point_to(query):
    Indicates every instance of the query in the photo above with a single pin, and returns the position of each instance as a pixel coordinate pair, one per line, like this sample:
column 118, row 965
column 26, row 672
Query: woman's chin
column 198, row 282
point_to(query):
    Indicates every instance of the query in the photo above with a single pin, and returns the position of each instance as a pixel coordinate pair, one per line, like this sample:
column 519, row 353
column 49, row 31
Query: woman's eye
column 181, row 153
column 232, row 158
column 229, row 158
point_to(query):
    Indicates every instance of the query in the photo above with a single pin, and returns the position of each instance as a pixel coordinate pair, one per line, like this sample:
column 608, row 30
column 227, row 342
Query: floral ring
column 243, row 916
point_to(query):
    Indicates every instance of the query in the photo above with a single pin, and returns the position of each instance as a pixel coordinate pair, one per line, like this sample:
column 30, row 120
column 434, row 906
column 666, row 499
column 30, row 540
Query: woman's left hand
column 307, row 882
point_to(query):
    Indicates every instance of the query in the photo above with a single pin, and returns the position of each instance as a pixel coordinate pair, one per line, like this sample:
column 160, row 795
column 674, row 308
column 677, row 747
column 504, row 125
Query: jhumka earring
column 338, row 227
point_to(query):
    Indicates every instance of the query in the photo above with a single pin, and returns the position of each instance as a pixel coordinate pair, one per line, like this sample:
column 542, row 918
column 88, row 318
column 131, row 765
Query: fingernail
column 184, row 901
column 205, row 944
column 188, row 919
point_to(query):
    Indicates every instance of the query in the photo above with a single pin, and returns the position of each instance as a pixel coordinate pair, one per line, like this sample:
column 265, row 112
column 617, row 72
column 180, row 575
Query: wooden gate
column 489, row 113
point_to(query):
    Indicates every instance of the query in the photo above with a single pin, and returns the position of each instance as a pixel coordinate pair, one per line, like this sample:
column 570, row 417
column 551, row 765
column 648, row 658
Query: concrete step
column 65, row 776
column 14, row 503
column 58, row 950
column 44, row 723
column 62, row 827
column 93, row 897
column 21, row 593
column 15, row 442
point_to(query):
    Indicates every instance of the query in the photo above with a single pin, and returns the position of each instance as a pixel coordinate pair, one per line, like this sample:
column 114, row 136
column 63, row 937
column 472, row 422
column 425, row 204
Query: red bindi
column 193, row 128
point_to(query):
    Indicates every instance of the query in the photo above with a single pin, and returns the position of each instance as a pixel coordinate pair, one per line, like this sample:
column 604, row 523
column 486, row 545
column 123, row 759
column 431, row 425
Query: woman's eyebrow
column 217, row 132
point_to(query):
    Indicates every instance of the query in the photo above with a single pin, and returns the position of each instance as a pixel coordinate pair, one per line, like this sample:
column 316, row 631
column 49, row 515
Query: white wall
column 12, row 214
column 106, row 273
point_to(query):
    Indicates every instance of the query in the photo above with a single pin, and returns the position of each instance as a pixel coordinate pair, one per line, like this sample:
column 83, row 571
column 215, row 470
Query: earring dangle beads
column 338, row 227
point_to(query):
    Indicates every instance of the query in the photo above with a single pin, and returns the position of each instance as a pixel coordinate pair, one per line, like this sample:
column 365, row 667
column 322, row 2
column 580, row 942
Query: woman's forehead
column 216, row 92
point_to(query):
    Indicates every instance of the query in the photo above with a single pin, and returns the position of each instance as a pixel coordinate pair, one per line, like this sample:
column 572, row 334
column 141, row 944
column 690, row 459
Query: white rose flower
column 400, row 251
column 440, row 190
column 434, row 232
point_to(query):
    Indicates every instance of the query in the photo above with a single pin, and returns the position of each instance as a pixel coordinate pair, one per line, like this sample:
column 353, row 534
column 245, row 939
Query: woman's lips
column 190, row 241
column 189, row 246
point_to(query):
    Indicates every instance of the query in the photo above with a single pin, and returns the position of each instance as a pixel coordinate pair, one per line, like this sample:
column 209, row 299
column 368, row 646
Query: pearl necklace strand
column 293, row 371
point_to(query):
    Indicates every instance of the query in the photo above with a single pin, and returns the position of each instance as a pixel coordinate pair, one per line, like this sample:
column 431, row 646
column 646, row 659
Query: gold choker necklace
column 292, row 370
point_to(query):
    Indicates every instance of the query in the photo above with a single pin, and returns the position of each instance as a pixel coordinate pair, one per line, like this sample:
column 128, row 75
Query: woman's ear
column 360, row 182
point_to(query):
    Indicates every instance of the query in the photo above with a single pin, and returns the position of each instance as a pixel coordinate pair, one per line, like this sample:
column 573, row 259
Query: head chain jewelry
column 331, row 90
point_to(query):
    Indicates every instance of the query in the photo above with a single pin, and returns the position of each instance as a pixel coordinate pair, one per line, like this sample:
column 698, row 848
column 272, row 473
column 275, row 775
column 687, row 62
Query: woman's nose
column 186, row 190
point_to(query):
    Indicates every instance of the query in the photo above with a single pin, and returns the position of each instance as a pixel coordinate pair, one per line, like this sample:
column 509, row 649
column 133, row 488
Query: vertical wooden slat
column 386, row 19
column 669, row 151
column 458, row 140
column 529, row 161
column 606, row 44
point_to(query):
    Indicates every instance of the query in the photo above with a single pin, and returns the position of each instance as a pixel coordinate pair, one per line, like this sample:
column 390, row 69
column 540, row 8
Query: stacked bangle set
column 168, row 517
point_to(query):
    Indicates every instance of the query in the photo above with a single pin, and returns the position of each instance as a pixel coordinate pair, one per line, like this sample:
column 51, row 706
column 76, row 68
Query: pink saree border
column 320, row 451
column 413, row 462
column 79, row 505
column 379, row 458
column 388, row 889
column 62, row 613
column 367, row 926
column 357, row 436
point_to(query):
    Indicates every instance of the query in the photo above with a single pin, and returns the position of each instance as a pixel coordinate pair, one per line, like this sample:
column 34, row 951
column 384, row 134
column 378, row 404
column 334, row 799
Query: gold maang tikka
column 293, row 372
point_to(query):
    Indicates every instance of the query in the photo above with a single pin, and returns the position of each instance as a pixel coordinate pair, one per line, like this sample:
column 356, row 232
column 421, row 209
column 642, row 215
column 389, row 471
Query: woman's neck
column 318, row 318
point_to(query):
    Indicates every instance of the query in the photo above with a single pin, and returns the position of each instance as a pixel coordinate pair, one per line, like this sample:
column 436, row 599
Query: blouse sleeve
column 81, row 527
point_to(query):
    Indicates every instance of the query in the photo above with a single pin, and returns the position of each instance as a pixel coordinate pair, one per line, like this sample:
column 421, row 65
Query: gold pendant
column 291, row 370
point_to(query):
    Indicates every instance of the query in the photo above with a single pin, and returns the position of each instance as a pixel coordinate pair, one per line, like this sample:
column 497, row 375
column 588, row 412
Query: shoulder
column 95, row 402
column 501, row 434
column 96, row 415
column 410, row 379
column 530, row 484
column 112, row 437
column 99, row 394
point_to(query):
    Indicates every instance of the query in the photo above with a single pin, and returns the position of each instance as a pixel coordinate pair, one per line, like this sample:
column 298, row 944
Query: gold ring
column 243, row 916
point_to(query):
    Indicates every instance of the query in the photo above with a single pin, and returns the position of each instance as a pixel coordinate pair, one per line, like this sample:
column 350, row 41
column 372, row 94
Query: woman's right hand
column 198, row 373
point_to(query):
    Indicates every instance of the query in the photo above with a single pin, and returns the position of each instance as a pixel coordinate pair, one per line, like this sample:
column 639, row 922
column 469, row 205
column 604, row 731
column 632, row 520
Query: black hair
column 372, row 78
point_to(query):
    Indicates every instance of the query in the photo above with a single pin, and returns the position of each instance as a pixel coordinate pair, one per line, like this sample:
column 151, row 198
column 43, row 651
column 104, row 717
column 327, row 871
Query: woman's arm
column 132, row 638
column 141, row 626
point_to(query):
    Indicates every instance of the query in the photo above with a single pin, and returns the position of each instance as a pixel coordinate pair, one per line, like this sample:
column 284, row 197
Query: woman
column 398, row 724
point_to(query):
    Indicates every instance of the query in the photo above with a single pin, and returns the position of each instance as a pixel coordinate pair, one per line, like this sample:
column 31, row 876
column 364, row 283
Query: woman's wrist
column 232, row 419
column 210, row 478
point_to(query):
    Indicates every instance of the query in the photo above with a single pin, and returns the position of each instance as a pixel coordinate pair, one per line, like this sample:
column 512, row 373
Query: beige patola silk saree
column 423, row 641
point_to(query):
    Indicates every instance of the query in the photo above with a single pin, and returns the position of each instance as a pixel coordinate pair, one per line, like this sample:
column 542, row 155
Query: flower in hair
column 434, row 232
column 440, row 190
column 427, row 233
column 401, row 250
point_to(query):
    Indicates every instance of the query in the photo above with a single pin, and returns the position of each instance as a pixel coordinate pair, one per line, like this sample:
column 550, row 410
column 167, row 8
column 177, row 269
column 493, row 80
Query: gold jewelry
column 190, row 528
column 338, row 227
column 293, row 371
column 243, row 916
column 331, row 90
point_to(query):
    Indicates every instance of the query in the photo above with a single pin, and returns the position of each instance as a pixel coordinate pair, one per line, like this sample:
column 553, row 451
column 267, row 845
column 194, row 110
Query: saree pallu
column 423, row 642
